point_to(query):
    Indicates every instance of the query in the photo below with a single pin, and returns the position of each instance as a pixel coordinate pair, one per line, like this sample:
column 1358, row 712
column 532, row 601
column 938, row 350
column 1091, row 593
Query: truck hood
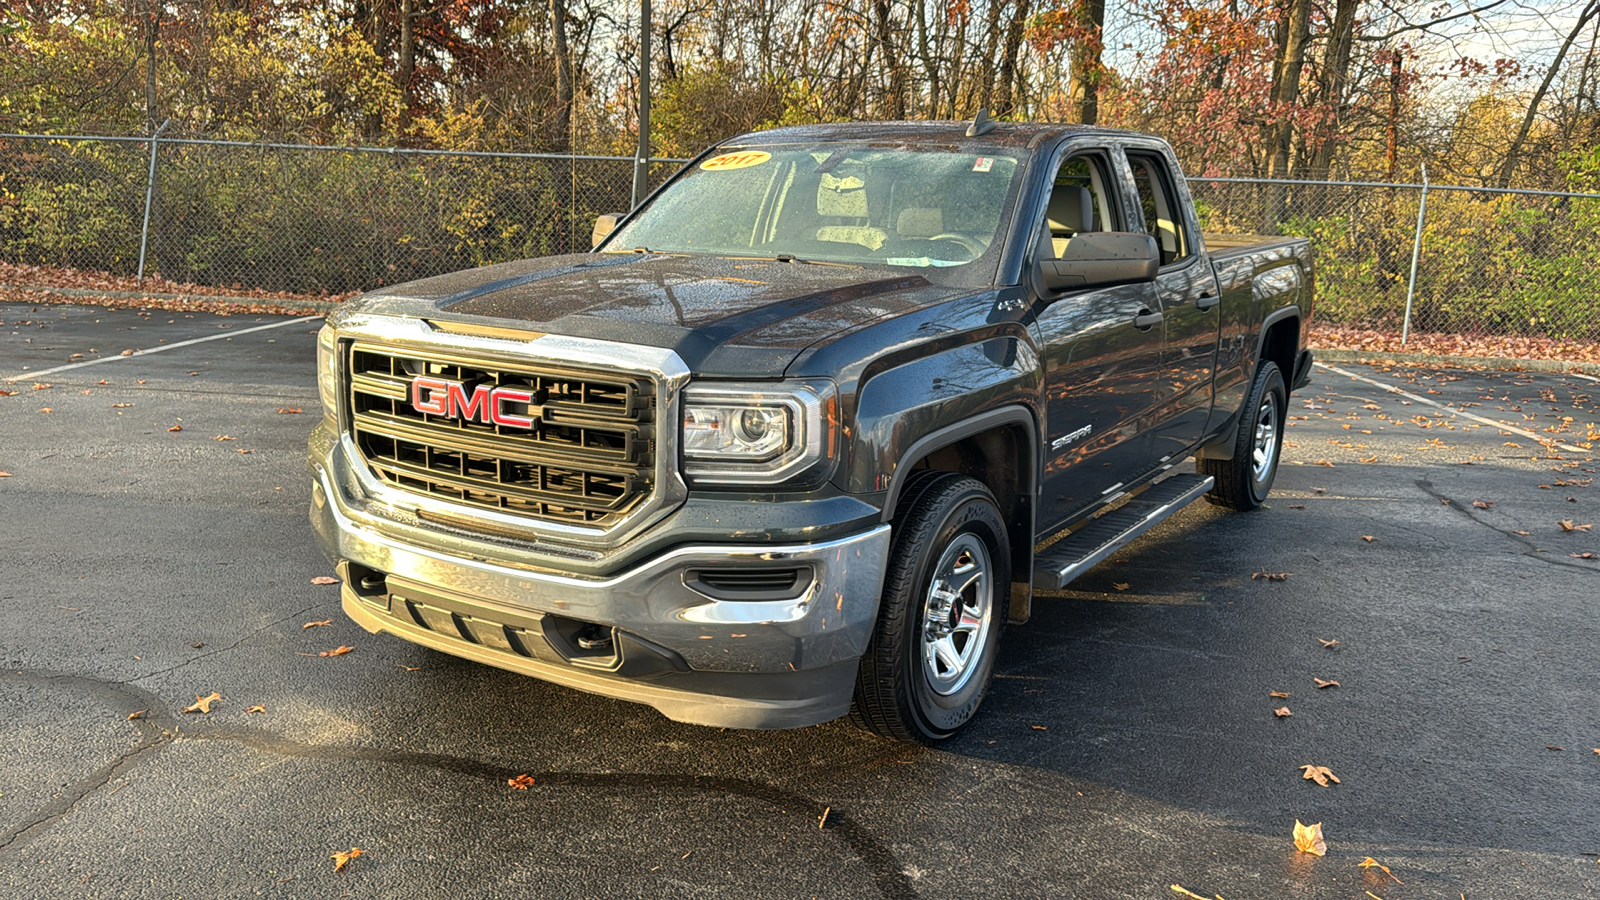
column 745, row 318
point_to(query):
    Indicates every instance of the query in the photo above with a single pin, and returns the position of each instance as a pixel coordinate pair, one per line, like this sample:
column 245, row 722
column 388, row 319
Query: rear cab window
column 1158, row 201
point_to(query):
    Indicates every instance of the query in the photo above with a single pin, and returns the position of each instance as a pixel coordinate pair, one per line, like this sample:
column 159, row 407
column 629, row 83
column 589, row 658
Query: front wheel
column 1244, row 481
column 928, row 664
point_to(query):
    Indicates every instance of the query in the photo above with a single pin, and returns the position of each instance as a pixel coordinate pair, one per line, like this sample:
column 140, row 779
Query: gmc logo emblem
column 485, row 404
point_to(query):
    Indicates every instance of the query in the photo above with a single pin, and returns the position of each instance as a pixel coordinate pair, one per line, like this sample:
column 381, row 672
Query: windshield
column 936, row 209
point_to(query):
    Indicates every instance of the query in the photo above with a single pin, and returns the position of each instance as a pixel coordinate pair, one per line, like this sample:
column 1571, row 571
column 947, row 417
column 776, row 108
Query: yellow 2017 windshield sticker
column 741, row 160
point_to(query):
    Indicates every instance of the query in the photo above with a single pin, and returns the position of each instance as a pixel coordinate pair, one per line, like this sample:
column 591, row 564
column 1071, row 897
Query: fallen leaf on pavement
column 121, row 405
column 1270, row 576
column 1553, row 747
column 224, row 437
column 1368, row 538
column 1282, row 712
column 288, row 410
column 1567, row 525
column 41, row 386
column 1281, row 695
column 203, row 704
column 1308, row 839
column 521, row 782
column 176, row 428
column 1584, row 555
column 1370, row 863
column 315, row 624
column 1320, row 774
column 410, row 668
column 1329, row 644
column 1039, row 727
column 1182, row 891
column 1121, row 585
column 256, row 709
column 1324, row 684
column 343, row 857
column 1482, row 504
column 324, row 579
column 126, row 353
column 337, row 651
column 140, row 715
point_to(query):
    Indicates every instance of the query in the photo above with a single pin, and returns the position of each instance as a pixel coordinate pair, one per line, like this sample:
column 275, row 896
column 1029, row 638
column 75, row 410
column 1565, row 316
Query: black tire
column 930, row 658
column 1244, row 481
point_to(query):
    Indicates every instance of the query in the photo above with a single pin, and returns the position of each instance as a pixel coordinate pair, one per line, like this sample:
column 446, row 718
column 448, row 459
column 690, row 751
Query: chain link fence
column 304, row 219
column 317, row 219
column 1443, row 259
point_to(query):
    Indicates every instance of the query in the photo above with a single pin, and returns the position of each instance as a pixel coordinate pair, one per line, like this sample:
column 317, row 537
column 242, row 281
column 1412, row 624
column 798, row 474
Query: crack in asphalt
column 1531, row 551
column 156, row 732
column 233, row 646
column 124, row 699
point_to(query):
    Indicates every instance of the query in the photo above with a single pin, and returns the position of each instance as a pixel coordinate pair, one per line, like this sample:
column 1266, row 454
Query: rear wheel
column 1244, row 481
column 932, row 652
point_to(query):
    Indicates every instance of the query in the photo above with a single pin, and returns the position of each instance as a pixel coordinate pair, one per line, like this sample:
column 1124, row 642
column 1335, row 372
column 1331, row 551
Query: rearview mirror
column 604, row 224
column 1101, row 259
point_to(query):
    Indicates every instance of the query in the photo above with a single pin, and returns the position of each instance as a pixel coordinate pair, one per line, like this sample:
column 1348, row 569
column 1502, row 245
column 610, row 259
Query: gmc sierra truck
column 810, row 424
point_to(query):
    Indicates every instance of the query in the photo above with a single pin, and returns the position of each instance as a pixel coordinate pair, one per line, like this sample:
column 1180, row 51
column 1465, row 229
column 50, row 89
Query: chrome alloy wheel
column 957, row 615
column 1266, row 442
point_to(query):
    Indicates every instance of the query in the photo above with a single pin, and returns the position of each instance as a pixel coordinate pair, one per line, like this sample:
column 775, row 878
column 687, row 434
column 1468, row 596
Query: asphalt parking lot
column 154, row 549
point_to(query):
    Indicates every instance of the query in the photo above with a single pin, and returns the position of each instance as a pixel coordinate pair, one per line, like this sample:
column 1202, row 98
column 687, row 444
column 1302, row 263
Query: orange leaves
column 316, row 624
column 342, row 858
column 1368, row 538
column 1308, row 839
column 1324, row 684
column 324, row 579
column 1482, row 504
column 1568, row 525
column 521, row 782
column 1331, row 645
column 1370, row 863
column 337, row 651
column 127, row 353
column 257, row 709
column 1279, row 695
column 1270, row 576
column 1282, row 712
column 1322, row 775
column 203, row 704
column 176, row 428
column 288, row 410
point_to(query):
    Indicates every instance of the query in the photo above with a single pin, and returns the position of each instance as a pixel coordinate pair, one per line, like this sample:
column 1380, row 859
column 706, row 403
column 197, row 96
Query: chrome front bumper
column 726, row 662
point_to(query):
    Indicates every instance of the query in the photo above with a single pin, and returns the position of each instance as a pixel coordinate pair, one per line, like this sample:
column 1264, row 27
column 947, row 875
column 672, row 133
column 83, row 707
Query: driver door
column 1101, row 365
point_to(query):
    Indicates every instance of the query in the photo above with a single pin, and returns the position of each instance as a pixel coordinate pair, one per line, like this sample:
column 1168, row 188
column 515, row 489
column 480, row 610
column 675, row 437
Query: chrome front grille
column 588, row 457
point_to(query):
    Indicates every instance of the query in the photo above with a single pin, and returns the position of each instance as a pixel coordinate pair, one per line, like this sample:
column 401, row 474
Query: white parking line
column 137, row 353
column 1449, row 409
column 1583, row 376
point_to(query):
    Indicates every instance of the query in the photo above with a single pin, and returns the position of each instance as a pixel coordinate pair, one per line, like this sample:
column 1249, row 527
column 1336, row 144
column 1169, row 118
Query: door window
column 1163, row 217
column 1080, row 201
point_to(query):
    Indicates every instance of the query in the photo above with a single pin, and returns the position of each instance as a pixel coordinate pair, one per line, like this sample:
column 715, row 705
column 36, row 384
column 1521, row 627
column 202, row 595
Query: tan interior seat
column 1071, row 213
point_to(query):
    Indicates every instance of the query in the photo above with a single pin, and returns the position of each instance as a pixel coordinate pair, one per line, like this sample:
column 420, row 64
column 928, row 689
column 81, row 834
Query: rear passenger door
column 1100, row 367
column 1187, row 290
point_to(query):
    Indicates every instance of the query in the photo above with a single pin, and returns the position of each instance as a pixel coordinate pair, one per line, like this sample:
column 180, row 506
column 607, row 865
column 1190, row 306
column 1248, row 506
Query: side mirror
column 604, row 224
column 1101, row 259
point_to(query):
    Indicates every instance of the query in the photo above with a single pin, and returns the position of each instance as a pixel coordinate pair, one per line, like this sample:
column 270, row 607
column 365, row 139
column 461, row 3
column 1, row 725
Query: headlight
column 756, row 434
column 328, row 373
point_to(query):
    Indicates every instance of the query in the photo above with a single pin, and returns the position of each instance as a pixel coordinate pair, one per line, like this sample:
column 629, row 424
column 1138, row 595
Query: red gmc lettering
column 510, row 395
column 437, row 397
column 431, row 402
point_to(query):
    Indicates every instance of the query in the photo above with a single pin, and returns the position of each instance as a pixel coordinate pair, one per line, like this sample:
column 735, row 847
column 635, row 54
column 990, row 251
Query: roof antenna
column 981, row 123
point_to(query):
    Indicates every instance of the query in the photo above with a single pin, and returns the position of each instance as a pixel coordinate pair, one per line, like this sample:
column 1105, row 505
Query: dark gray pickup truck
column 784, row 445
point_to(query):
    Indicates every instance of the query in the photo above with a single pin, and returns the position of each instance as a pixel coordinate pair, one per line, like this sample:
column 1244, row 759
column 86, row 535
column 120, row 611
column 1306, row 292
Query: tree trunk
column 1510, row 164
column 1005, row 98
column 408, row 61
column 1335, row 78
column 1083, row 81
column 562, row 138
column 894, row 101
column 152, row 30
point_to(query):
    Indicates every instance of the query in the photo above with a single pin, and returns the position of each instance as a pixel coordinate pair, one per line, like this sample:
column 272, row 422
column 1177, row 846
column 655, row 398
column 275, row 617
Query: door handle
column 1207, row 301
column 1146, row 319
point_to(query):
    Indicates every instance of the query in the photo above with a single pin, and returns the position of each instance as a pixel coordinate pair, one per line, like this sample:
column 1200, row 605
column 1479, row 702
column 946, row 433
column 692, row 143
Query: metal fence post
column 149, row 200
column 1416, row 251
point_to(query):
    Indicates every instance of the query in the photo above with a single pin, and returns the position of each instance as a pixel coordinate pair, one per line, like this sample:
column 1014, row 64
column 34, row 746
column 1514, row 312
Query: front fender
column 900, row 408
